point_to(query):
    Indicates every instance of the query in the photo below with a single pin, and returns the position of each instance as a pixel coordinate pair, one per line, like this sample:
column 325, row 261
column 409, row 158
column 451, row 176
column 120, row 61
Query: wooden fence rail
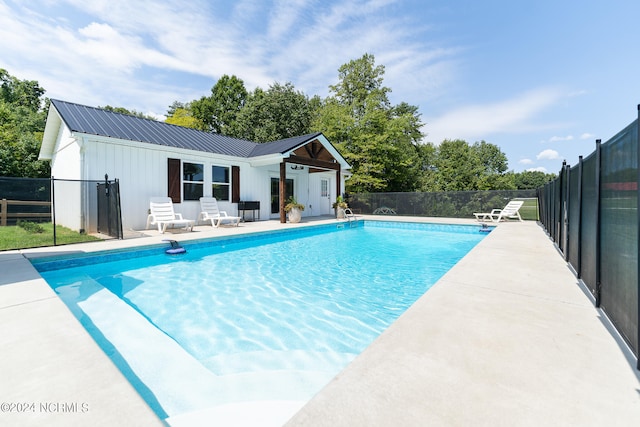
column 5, row 214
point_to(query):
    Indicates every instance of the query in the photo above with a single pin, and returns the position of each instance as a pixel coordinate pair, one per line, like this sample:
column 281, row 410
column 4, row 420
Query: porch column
column 282, row 189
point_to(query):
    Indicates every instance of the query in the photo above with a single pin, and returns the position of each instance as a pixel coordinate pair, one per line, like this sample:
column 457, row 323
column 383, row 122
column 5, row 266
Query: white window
column 192, row 180
column 220, row 182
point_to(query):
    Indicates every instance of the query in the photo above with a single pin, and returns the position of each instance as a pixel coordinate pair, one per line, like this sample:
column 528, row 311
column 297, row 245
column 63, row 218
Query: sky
column 541, row 79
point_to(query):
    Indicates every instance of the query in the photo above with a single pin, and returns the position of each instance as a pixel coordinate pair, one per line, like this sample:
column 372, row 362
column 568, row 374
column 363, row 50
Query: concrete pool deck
column 507, row 337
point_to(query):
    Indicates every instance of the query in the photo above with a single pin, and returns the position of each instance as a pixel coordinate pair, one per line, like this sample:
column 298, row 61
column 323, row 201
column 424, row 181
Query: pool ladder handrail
column 349, row 215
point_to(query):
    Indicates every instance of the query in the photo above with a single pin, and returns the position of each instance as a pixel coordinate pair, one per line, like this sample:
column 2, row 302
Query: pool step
column 264, row 413
column 146, row 356
column 273, row 360
column 173, row 382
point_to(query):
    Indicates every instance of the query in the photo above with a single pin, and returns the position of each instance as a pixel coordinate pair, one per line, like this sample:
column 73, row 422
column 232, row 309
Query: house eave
column 328, row 146
column 50, row 135
column 266, row 160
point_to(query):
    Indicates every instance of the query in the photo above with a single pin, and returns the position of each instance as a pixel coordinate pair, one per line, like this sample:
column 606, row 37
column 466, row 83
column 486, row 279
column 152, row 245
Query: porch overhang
column 313, row 166
column 312, row 151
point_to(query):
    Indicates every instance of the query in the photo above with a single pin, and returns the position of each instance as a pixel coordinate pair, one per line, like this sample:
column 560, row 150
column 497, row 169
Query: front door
column 325, row 196
column 275, row 194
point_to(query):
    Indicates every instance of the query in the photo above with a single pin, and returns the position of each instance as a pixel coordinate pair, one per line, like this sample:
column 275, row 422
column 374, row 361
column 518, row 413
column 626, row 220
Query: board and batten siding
column 255, row 185
column 68, row 195
column 142, row 170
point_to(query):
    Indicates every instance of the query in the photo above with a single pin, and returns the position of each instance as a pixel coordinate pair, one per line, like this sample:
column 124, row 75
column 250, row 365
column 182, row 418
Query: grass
column 529, row 210
column 36, row 235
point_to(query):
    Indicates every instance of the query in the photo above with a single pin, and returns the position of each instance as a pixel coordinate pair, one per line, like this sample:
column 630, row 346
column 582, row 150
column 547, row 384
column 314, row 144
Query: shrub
column 31, row 227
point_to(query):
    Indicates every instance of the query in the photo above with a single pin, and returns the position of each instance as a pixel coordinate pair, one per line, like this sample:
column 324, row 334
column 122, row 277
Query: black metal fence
column 24, row 200
column 86, row 207
column 451, row 204
column 109, row 219
column 591, row 212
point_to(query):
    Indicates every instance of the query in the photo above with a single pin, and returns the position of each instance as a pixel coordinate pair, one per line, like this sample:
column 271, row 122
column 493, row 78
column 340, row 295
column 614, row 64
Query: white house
column 151, row 158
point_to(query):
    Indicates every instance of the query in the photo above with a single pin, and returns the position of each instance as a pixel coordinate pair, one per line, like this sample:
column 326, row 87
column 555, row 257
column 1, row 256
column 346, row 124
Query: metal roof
column 283, row 145
column 96, row 121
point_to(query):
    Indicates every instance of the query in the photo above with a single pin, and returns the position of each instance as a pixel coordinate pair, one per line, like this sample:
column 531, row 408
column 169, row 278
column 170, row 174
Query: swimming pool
column 264, row 320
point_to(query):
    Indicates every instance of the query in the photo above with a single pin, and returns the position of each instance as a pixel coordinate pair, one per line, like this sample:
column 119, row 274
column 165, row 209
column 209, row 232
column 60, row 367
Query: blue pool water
column 268, row 318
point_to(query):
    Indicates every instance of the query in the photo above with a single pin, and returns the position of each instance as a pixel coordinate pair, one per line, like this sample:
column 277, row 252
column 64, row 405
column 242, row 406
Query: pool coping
column 401, row 377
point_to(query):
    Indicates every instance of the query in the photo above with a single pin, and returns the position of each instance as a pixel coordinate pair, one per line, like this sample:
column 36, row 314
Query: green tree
column 219, row 111
column 531, row 179
column 279, row 112
column 182, row 116
column 493, row 160
column 122, row 110
column 427, row 154
column 22, row 119
column 458, row 166
column 496, row 182
column 376, row 138
column 20, row 93
column 175, row 105
column 360, row 85
column 494, row 165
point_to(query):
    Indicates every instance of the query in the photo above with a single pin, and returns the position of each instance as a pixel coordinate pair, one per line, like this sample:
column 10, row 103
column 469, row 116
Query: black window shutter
column 174, row 187
column 235, row 184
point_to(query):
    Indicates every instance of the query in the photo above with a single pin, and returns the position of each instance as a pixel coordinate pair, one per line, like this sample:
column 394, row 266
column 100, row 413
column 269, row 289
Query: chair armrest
column 223, row 213
column 178, row 216
column 496, row 211
column 151, row 219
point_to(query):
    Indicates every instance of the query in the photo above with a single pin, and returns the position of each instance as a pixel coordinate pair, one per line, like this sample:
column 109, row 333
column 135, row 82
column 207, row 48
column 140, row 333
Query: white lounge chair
column 210, row 212
column 497, row 215
column 161, row 214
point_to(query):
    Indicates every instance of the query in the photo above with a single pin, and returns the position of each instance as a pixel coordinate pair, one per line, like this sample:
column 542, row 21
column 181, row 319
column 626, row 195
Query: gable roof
column 284, row 145
column 97, row 121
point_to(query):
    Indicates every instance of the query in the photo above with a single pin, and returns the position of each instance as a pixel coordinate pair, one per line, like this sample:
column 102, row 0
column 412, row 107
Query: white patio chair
column 211, row 212
column 497, row 215
column 161, row 214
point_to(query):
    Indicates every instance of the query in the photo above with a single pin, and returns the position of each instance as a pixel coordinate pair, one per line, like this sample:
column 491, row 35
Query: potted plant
column 340, row 205
column 294, row 209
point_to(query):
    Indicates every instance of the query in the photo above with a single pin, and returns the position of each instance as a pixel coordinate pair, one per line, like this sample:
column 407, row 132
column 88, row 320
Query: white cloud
column 285, row 15
column 477, row 122
column 587, row 136
column 525, row 161
column 538, row 169
column 96, row 63
column 340, row 32
column 147, row 53
column 548, row 154
column 561, row 138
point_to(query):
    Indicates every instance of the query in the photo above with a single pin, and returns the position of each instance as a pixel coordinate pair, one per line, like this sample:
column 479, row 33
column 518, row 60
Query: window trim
column 185, row 181
column 221, row 183
column 176, row 181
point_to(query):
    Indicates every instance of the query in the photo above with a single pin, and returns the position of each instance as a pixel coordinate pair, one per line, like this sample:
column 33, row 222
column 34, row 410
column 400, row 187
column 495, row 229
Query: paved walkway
column 507, row 337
